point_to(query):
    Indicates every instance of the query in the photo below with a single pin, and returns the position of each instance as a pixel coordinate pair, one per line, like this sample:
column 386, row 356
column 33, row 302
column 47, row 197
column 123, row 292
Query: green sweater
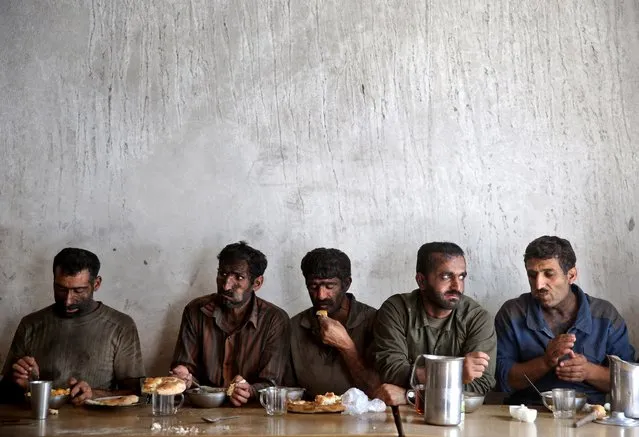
column 402, row 333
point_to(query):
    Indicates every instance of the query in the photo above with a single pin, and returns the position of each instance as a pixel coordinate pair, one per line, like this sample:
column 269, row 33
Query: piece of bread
column 312, row 407
column 322, row 313
column 167, row 385
column 231, row 389
column 328, row 399
column 171, row 387
column 121, row 401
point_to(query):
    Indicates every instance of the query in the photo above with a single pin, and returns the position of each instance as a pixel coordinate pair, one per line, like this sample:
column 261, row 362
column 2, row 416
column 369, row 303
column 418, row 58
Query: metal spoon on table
column 217, row 419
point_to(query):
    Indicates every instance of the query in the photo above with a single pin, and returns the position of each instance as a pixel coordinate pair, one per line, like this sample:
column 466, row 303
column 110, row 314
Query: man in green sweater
column 438, row 319
column 77, row 342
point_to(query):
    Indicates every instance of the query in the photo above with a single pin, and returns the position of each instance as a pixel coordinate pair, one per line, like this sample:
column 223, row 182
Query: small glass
column 563, row 400
column 274, row 400
column 166, row 405
column 415, row 396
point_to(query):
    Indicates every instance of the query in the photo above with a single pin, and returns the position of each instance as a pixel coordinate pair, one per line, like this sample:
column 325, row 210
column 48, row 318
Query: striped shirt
column 215, row 354
column 101, row 348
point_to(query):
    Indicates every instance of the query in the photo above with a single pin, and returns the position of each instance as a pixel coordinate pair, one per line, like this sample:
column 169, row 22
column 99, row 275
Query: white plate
column 97, row 403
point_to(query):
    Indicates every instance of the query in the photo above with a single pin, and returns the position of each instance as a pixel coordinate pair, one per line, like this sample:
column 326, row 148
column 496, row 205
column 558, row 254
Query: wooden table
column 489, row 420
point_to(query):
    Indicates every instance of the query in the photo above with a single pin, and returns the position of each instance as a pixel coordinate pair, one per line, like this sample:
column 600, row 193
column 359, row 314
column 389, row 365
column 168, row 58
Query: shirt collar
column 212, row 309
column 535, row 318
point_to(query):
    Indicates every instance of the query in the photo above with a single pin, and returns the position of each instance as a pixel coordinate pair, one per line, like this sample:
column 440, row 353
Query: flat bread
column 322, row 313
column 120, row 401
column 309, row 407
column 164, row 385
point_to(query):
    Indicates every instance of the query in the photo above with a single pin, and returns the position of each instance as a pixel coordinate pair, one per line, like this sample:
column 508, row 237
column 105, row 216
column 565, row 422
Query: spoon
column 217, row 419
column 533, row 386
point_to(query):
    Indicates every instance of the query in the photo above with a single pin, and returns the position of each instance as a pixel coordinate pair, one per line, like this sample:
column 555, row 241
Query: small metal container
column 206, row 397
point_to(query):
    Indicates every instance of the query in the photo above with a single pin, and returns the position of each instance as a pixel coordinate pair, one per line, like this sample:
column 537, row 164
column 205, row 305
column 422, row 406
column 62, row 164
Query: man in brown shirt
column 329, row 352
column 233, row 336
column 76, row 342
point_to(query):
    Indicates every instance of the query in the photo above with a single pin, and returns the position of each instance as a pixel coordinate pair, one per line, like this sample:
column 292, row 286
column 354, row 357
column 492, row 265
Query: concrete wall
column 155, row 132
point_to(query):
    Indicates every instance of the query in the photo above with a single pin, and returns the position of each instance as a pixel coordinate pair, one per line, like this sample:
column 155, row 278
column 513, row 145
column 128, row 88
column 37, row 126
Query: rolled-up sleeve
column 481, row 337
column 275, row 353
column 618, row 342
column 390, row 347
column 187, row 346
column 507, row 349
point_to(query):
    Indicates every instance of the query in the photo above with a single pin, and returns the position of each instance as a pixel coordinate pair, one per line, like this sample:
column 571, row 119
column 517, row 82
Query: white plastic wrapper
column 522, row 413
column 356, row 402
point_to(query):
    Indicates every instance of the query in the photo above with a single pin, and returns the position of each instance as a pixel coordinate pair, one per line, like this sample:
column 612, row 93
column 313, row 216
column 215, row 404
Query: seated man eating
column 76, row 342
column 330, row 340
column 233, row 338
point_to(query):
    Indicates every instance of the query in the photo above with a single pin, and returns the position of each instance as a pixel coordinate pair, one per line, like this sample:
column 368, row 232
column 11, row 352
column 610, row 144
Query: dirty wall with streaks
column 155, row 132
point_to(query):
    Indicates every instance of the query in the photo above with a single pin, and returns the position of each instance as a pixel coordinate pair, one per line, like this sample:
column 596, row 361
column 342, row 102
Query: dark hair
column 322, row 263
column 428, row 255
column 71, row 261
column 241, row 251
column 547, row 247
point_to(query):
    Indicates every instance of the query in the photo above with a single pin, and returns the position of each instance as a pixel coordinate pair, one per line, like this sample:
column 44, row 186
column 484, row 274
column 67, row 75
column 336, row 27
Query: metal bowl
column 55, row 402
column 294, row 393
column 580, row 399
column 206, row 397
column 472, row 401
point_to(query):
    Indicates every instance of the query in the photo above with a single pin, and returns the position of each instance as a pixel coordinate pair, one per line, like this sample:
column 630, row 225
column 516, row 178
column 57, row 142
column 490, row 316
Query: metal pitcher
column 441, row 379
column 624, row 387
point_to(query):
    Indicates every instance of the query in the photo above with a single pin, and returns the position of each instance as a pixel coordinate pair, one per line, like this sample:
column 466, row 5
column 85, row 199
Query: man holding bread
column 329, row 341
column 233, row 338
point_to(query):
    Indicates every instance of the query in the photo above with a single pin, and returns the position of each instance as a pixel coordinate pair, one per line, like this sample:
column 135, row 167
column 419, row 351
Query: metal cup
column 40, row 394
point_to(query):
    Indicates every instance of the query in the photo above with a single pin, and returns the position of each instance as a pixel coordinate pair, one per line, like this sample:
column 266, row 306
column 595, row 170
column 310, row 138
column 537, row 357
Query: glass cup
column 274, row 400
column 563, row 401
column 415, row 397
column 166, row 405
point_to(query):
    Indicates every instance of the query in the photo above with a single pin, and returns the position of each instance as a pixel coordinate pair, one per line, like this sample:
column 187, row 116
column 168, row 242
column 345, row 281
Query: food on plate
column 326, row 403
column 57, row 392
column 164, row 385
column 118, row 401
column 328, row 399
column 231, row 389
column 322, row 313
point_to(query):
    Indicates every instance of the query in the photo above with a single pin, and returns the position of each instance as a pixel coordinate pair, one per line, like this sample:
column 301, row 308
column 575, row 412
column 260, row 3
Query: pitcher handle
column 179, row 405
column 262, row 401
column 550, row 407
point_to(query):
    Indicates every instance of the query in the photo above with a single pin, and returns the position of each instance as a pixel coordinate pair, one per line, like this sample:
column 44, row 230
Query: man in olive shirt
column 437, row 319
column 329, row 352
column 76, row 342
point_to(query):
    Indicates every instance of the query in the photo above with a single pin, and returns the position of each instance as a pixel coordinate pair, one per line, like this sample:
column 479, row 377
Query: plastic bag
column 356, row 402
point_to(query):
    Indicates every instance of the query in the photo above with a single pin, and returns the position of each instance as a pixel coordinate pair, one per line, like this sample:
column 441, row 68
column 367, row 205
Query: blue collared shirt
column 523, row 334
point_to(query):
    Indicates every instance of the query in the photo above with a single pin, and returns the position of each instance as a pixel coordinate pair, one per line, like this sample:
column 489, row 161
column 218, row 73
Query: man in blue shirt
column 557, row 335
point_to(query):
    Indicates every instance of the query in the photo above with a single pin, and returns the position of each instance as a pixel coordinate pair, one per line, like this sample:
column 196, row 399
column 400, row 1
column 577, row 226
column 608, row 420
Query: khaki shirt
column 402, row 333
column 320, row 368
